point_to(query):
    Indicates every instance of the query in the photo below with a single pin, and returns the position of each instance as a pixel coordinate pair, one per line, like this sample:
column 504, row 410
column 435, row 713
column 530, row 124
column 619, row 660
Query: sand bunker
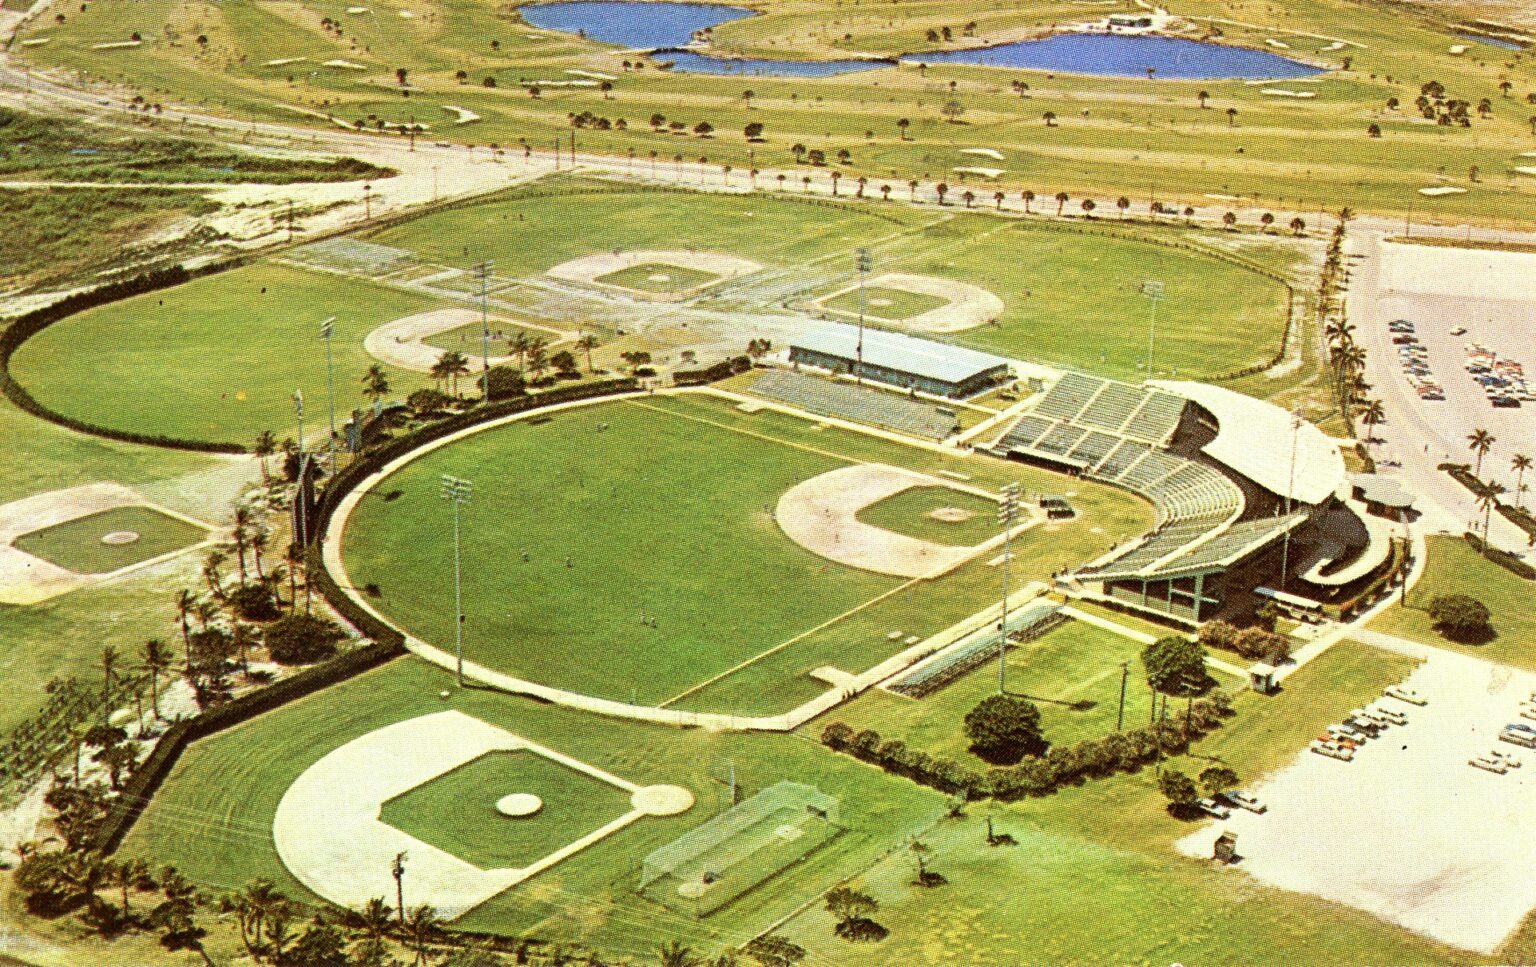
column 969, row 305
column 820, row 515
column 461, row 115
column 992, row 153
column 982, row 172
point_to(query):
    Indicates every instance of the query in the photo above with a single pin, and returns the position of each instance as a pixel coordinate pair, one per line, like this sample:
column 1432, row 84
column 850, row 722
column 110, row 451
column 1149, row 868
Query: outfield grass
column 882, row 303
column 77, row 545
column 1094, row 879
column 526, row 235
column 1455, row 568
column 213, row 816
column 456, row 812
column 910, row 512
column 466, row 338
column 218, row 358
column 655, row 277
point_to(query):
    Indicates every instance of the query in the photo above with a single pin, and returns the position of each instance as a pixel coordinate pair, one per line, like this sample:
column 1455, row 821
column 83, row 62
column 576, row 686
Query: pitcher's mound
column 951, row 515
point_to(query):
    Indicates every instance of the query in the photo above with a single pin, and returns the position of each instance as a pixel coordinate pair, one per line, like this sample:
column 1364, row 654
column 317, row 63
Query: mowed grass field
column 1094, row 879
column 882, row 303
column 216, row 359
column 657, row 277
column 78, row 544
column 611, row 600
column 213, row 817
column 911, row 512
column 1455, row 568
column 527, row 235
column 456, row 812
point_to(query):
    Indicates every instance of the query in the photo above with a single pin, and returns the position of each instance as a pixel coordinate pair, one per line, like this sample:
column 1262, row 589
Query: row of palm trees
column 1481, row 442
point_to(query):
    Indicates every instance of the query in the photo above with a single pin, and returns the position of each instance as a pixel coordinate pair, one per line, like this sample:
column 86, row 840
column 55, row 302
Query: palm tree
column 108, row 666
column 1480, row 441
column 586, row 344
column 211, row 575
column 439, row 372
column 538, row 361
column 1203, row 97
column 421, row 925
column 156, row 661
column 252, row 906
column 1486, row 502
column 241, row 537
column 674, row 954
column 1520, row 463
column 1266, row 220
column 1028, row 197
column 1230, row 220
column 1231, row 117
column 295, row 558
column 1372, row 414
column 260, row 539
column 912, row 189
column 1088, row 206
column 265, row 446
column 969, row 197
column 375, row 383
column 901, row 126
column 1061, row 202
column 455, row 364
column 131, row 875
column 1124, row 204
column 1050, row 119
column 518, row 345
column 185, row 602
column 1298, row 226
column 373, row 920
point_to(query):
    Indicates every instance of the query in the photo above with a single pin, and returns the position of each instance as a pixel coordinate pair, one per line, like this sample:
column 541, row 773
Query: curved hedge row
column 34, row 322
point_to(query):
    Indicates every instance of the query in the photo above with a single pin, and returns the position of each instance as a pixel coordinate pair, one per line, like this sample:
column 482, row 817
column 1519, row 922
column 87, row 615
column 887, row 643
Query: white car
column 1213, row 808
column 1412, row 697
column 1459, row 331
column 1488, row 765
column 1331, row 751
column 1391, row 715
column 1528, row 712
column 1509, row 761
column 1245, row 801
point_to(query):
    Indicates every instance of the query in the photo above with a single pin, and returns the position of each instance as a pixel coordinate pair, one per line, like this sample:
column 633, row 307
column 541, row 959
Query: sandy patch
column 1457, row 50
column 36, row 41
column 982, row 172
column 1282, row 92
column 344, row 65
column 595, row 75
column 328, row 833
column 1277, row 44
column 1409, row 831
column 820, row 515
column 969, row 305
column 118, row 45
column 25, row 579
column 399, row 343
column 282, row 61
column 1439, row 190
column 589, row 268
column 120, row 538
column 1458, row 273
column 461, row 115
column 992, row 153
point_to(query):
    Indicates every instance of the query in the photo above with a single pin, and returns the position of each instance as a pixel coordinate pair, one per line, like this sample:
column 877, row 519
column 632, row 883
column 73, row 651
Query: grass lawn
column 911, row 512
column 456, row 812
column 656, row 277
column 1094, row 879
column 1455, row 568
column 1072, row 673
column 528, row 235
column 78, row 545
column 213, row 817
column 882, row 303
column 216, row 359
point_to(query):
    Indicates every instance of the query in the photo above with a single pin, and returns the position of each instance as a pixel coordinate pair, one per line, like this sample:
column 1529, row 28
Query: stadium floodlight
column 1152, row 290
column 457, row 491
column 298, row 409
column 863, row 263
column 482, row 272
column 327, row 330
column 1290, row 487
column 1007, row 513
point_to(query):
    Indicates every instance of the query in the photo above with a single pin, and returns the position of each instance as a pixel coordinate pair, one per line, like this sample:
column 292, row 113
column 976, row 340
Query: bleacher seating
column 1068, row 397
column 1149, row 470
column 1029, row 622
column 1122, row 457
column 1114, row 404
column 1094, row 447
column 1157, row 418
column 1024, row 433
column 857, row 403
column 1061, row 438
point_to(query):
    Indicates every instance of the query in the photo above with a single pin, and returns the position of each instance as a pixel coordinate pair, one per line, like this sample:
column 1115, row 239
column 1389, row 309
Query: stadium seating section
column 860, row 404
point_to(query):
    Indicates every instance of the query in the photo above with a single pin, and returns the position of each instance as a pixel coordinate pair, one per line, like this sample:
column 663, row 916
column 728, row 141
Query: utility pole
column 1153, row 291
column 863, row 264
column 1125, row 675
column 1285, row 551
column 327, row 330
column 1007, row 512
column 397, row 870
column 457, row 491
column 482, row 272
column 298, row 408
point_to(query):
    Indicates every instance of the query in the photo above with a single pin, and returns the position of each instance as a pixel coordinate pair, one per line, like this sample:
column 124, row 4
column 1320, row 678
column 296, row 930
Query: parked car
column 1244, row 801
column 1459, row 331
column 1510, row 761
column 1488, row 765
column 1213, row 808
column 1404, row 694
column 1521, row 727
column 1390, row 714
column 1332, row 751
column 1523, row 739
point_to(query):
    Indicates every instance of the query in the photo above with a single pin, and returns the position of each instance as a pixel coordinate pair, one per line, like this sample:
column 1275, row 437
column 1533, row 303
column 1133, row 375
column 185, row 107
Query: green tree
column 771, row 950
column 375, row 383
column 302, row 639
column 674, row 954
column 1480, row 441
column 1005, row 729
column 1176, row 666
column 157, row 661
column 1460, row 617
column 1216, row 780
column 1178, row 789
column 264, row 447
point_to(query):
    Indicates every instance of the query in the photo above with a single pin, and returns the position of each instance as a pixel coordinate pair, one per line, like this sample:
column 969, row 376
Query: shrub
column 302, row 639
column 1005, row 728
column 506, row 382
column 254, row 602
column 1461, row 617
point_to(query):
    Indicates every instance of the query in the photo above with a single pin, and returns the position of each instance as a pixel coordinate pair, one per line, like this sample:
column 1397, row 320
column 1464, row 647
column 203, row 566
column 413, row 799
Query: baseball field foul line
column 751, row 433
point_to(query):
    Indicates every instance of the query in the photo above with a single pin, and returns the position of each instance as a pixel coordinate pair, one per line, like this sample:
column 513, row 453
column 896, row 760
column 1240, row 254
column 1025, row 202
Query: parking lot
column 1408, row 830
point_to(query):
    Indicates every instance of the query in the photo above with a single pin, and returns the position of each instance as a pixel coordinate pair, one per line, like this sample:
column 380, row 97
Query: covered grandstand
column 897, row 360
column 861, row 404
column 1221, row 500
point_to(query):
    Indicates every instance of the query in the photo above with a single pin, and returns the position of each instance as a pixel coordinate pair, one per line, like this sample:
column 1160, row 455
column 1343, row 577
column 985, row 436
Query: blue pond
column 1122, row 55
column 1495, row 41
column 662, row 26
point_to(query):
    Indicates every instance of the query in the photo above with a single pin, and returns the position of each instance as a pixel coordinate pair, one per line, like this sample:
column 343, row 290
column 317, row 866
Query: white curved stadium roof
column 1254, row 439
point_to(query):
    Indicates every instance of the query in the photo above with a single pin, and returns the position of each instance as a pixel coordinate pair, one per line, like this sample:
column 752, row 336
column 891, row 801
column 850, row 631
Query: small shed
column 1225, row 849
column 1261, row 677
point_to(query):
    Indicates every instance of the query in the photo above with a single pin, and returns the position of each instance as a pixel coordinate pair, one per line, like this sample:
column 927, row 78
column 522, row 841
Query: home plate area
column 476, row 808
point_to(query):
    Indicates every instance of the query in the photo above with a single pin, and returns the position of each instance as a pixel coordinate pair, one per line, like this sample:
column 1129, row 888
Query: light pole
column 1125, row 674
column 863, row 263
column 1007, row 512
column 327, row 330
column 482, row 272
column 298, row 409
column 397, row 870
column 457, row 491
column 1153, row 291
column 1285, row 550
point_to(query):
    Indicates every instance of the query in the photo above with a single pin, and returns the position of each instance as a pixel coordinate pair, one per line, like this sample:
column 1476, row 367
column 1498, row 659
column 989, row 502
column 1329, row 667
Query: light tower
column 327, row 330
column 457, row 492
column 1152, row 290
column 1007, row 512
column 863, row 263
column 482, row 273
